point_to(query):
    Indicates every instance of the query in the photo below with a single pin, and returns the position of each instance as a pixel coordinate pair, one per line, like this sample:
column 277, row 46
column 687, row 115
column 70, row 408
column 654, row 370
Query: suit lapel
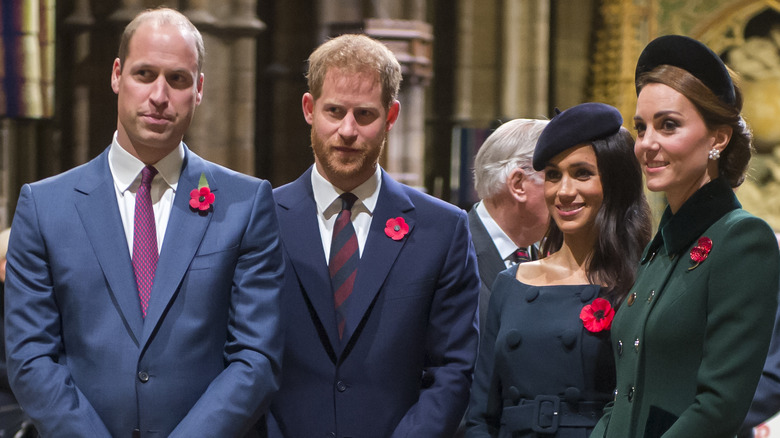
column 183, row 236
column 489, row 260
column 97, row 207
column 380, row 252
column 302, row 240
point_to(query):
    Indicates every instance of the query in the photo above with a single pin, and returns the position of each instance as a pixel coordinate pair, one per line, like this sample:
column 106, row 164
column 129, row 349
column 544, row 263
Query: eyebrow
column 659, row 114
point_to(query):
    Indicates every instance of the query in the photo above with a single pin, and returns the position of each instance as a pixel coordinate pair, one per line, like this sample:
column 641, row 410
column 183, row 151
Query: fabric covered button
column 589, row 294
column 572, row 394
column 513, row 394
column 513, row 339
column 531, row 294
column 569, row 338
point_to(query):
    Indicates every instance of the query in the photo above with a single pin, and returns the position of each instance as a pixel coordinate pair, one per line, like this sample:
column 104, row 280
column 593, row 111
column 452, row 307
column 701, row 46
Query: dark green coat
column 690, row 341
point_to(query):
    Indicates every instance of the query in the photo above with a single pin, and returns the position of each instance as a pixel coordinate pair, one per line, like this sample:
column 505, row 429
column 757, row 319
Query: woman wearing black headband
column 691, row 341
column 545, row 367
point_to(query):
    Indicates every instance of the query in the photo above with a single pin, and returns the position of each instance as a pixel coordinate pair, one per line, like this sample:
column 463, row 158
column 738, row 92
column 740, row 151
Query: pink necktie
column 144, row 238
column 344, row 258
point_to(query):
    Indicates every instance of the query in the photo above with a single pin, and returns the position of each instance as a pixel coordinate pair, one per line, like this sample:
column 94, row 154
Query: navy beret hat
column 692, row 56
column 577, row 125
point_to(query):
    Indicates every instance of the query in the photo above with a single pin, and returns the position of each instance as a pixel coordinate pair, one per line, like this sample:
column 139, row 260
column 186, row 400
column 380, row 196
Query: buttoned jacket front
column 690, row 339
column 83, row 361
column 403, row 367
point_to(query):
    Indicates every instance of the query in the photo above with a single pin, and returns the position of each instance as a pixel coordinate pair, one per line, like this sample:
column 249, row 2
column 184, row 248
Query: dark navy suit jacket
column 204, row 362
column 404, row 365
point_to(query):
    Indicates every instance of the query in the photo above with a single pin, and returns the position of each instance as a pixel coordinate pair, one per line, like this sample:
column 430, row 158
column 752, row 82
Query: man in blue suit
column 142, row 294
column 386, row 347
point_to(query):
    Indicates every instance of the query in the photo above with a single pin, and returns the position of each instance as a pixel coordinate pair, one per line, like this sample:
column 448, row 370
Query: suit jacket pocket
column 397, row 290
column 658, row 422
column 213, row 259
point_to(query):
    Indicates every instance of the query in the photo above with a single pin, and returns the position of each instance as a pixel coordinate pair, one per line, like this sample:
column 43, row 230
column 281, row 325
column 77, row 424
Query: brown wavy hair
column 734, row 159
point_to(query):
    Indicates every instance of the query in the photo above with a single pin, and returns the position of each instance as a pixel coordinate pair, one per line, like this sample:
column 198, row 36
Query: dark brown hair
column 623, row 222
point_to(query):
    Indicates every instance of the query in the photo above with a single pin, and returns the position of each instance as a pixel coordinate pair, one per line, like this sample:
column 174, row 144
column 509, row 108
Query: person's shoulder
column 424, row 201
column 230, row 176
column 741, row 221
column 71, row 178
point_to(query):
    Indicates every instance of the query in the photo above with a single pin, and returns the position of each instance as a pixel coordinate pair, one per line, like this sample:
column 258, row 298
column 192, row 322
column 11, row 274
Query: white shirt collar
column 326, row 194
column 125, row 168
column 503, row 243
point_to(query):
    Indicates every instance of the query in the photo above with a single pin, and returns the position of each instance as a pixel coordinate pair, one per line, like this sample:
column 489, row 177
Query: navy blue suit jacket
column 404, row 365
column 81, row 359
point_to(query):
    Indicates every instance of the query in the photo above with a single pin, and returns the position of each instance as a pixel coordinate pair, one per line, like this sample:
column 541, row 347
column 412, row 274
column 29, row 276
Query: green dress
column 690, row 339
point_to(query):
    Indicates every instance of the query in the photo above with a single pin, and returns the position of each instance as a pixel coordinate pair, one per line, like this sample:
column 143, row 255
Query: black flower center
column 598, row 314
column 202, row 198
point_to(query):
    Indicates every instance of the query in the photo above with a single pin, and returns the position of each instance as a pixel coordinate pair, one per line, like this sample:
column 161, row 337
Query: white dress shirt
column 329, row 205
column 126, row 172
column 503, row 243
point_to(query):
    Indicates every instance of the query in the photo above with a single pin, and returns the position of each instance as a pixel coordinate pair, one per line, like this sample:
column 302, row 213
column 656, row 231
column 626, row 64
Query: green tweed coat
column 690, row 340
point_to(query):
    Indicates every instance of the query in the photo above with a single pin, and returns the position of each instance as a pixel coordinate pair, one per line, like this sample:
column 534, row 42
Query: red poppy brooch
column 597, row 316
column 396, row 228
column 201, row 198
column 700, row 251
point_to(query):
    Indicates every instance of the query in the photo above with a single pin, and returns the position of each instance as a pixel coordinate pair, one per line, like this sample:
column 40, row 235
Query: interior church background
column 468, row 65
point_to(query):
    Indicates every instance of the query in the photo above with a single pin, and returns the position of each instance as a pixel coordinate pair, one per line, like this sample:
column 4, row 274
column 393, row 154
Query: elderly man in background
column 511, row 216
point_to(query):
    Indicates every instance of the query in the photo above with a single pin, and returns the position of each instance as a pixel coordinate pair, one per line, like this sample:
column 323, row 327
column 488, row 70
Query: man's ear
column 116, row 74
column 516, row 183
column 307, row 103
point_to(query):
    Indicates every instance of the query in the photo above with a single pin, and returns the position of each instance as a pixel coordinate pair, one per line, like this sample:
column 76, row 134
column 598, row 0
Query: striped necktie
column 344, row 258
column 519, row 256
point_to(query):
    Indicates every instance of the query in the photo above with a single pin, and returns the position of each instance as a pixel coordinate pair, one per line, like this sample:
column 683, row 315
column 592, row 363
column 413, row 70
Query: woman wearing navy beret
column 691, row 339
column 545, row 368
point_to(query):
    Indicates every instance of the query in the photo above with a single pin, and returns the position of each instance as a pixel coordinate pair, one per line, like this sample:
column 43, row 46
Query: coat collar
column 705, row 207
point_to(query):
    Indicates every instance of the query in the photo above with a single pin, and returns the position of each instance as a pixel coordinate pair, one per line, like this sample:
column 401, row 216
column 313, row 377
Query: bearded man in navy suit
column 387, row 349
column 154, row 312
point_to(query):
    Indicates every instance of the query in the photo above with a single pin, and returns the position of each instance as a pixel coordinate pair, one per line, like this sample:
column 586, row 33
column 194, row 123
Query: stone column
column 223, row 129
column 525, row 51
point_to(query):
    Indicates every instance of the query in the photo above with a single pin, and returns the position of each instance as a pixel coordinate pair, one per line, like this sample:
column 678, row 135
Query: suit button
column 636, row 344
column 652, row 294
column 143, row 376
column 341, row 386
column 620, row 347
column 631, row 299
column 630, row 394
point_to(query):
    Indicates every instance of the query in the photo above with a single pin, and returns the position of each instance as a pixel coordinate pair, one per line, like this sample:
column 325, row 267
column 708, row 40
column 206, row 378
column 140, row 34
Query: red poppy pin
column 201, row 198
column 700, row 252
column 597, row 316
column 396, row 228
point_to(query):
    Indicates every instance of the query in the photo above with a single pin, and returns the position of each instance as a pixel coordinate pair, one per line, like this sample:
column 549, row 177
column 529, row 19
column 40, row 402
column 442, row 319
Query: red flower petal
column 201, row 199
column 598, row 315
column 396, row 228
column 705, row 243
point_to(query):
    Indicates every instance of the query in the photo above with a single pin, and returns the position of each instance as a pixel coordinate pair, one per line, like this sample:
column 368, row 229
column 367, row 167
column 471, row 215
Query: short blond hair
column 356, row 53
column 159, row 17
